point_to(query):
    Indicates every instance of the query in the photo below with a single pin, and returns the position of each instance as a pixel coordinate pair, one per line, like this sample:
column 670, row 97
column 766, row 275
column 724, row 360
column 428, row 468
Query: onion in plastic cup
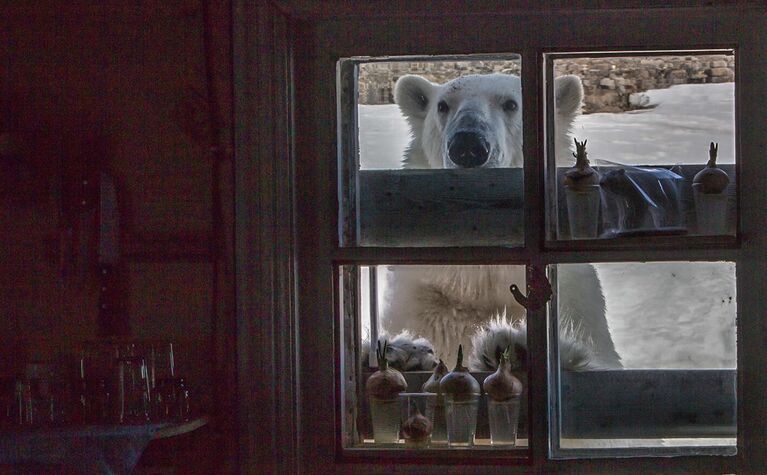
column 503, row 390
column 582, row 195
column 383, row 388
column 461, row 403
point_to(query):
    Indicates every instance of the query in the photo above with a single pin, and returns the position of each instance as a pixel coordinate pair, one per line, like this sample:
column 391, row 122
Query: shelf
column 158, row 430
column 479, row 444
column 173, row 429
column 87, row 448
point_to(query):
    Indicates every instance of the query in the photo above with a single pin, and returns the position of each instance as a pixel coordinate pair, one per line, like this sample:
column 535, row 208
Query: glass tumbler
column 503, row 417
column 385, row 414
column 710, row 211
column 583, row 211
column 170, row 399
column 414, row 404
column 133, row 394
column 435, row 411
column 162, row 362
column 461, row 416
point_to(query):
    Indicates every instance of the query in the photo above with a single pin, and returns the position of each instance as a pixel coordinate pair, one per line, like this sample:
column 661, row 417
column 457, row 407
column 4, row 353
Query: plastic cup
column 435, row 411
column 413, row 404
column 385, row 415
column 461, row 417
column 503, row 417
column 710, row 211
column 583, row 211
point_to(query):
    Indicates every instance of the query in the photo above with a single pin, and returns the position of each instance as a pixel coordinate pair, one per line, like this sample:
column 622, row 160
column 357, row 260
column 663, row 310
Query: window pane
column 424, row 315
column 658, row 370
column 431, row 151
column 648, row 124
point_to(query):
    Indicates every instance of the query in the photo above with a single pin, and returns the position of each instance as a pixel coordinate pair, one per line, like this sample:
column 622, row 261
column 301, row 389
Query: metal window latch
column 538, row 289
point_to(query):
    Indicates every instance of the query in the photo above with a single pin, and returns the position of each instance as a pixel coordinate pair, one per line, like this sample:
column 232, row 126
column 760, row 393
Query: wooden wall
column 123, row 88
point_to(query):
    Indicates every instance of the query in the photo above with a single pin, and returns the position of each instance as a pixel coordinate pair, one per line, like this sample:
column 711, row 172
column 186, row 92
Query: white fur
column 500, row 333
column 449, row 304
column 568, row 93
column 404, row 352
column 483, row 97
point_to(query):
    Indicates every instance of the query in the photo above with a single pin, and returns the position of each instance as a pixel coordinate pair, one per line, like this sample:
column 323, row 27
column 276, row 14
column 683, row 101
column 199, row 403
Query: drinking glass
column 461, row 415
column 503, row 417
column 385, row 415
column 162, row 362
column 435, row 411
column 133, row 392
column 415, row 404
column 168, row 389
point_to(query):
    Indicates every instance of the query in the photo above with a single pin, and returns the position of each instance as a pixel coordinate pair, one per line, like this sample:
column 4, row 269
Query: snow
column 676, row 131
column 661, row 315
column 384, row 135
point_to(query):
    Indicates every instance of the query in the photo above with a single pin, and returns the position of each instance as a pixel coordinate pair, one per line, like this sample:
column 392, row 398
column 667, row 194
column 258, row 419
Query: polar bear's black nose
column 468, row 149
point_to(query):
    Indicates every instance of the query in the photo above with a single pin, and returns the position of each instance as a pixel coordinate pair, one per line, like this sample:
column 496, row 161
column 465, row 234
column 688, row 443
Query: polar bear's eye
column 442, row 107
column 510, row 105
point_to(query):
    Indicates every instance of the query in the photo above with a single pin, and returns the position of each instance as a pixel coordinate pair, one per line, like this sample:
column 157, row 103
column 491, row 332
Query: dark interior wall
column 118, row 87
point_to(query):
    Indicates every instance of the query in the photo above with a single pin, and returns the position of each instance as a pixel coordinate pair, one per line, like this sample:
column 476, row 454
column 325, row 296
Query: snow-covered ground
column 662, row 315
column 676, row 131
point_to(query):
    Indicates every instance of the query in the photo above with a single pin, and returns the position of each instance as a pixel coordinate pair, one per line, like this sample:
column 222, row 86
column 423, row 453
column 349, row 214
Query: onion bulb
column 417, row 429
column 581, row 175
column 503, row 385
column 386, row 383
column 711, row 179
column 432, row 384
column 459, row 382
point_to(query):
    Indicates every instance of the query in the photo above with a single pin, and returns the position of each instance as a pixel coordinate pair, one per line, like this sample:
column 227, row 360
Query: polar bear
column 476, row 121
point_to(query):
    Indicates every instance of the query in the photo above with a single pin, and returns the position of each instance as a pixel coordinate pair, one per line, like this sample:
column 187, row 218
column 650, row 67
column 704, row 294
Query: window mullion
column 532, row 92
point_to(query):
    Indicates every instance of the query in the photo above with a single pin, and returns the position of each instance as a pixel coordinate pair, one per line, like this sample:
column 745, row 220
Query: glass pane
column 655, row 370
column 431, row 151
column 649, row 126
column 425, row 315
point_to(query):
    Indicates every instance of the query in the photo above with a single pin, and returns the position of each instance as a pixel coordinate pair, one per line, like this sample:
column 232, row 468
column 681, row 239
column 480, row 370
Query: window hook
column 538, row 289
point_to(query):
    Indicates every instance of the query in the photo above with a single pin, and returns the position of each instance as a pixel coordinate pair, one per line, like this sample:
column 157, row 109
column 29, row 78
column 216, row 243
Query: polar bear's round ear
column 568, row 92
column 412, row 94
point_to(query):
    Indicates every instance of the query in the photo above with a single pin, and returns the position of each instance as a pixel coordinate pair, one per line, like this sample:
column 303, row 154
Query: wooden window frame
column 286, row 209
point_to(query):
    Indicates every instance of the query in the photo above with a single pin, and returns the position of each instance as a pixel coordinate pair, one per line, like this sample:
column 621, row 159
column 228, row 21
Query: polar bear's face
column 474, row 121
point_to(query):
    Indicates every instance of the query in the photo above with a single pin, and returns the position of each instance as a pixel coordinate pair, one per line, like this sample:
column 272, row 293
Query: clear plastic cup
column 412, row 405
column 461, row 416
column 503, row 418
column 435, row 411
column 710, row 212
column 583, row 211
column 385, row 415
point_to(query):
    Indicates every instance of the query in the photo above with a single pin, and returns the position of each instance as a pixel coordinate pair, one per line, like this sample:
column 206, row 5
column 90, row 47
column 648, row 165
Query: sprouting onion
column 386, row 383
column 581, row 175
column 503, row 385
column 432, row 384
column 459, row 382
column 711, row 179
